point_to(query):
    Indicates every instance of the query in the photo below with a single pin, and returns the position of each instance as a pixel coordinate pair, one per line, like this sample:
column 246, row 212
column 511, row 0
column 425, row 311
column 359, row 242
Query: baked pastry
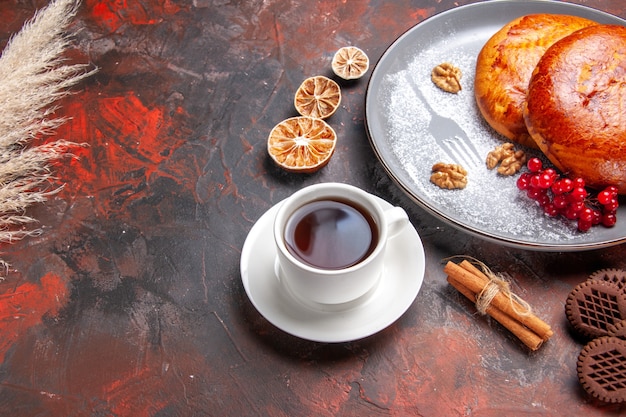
column 576, row 105
column 593, row 305
column 601, row 369
column 505, row 64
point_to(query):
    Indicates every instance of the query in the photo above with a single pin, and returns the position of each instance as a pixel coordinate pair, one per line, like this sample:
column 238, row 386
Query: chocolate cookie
column 594, row 305
column 602, row 369
column 616, row 276
column 617, row 330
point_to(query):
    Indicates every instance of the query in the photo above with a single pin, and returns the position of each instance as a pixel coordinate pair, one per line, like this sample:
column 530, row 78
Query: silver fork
column 450, row 137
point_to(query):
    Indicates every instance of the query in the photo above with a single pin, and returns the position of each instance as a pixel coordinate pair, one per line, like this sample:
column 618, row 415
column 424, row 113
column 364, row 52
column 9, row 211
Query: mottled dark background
column 131, row 303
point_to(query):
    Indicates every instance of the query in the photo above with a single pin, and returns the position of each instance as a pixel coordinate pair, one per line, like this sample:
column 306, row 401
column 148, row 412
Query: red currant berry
column 584, row 225
column 543, row 199
column 545, row 180
column 579, row 182
column 534, row 181
column 551, row 172
column 562, row 186
column 597, row 217
column 577, row 206
column 609, row 220
column 578, row 194
column 572, row 211
column 550, row 209
column 605, row 197
column 560, row 201
column 535, row 193
column 586, row 215
column 523, row 181
column 611, row 206
column 534, row 165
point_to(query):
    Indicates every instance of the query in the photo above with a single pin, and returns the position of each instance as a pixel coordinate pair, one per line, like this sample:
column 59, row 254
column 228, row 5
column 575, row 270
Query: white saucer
column 396, row 291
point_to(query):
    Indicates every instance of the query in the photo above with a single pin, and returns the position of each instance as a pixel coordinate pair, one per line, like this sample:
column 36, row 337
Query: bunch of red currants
column 561, row 196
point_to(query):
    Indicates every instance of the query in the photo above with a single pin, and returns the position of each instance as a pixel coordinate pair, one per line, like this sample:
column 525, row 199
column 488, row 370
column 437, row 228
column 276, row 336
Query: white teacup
column 323, row 244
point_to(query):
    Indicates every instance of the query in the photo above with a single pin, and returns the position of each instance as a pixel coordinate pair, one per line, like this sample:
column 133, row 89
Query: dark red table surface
column 131, row 302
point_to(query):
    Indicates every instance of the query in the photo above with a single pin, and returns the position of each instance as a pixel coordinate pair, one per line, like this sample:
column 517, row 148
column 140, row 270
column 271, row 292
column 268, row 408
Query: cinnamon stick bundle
column 471, row 282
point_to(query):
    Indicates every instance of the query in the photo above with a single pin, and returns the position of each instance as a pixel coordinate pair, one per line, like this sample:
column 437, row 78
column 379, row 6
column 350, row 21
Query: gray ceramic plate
column 402, row 110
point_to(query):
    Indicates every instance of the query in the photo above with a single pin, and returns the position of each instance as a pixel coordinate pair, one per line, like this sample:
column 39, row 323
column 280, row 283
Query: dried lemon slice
column 301, row 144
column 317, row 96
column 350, row 63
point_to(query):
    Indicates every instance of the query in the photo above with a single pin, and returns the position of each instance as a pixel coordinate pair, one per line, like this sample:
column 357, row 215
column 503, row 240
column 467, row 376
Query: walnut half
column 447, row 77
column 510, row 160
column 448, row 176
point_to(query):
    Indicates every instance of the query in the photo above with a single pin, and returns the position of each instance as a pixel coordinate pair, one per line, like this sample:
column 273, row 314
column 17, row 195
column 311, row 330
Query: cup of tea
column 331, row 241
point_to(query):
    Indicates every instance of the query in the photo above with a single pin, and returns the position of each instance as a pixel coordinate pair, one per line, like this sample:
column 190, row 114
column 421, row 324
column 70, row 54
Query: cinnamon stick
column 471, row 281
column 524, row 334
column 512, row 307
